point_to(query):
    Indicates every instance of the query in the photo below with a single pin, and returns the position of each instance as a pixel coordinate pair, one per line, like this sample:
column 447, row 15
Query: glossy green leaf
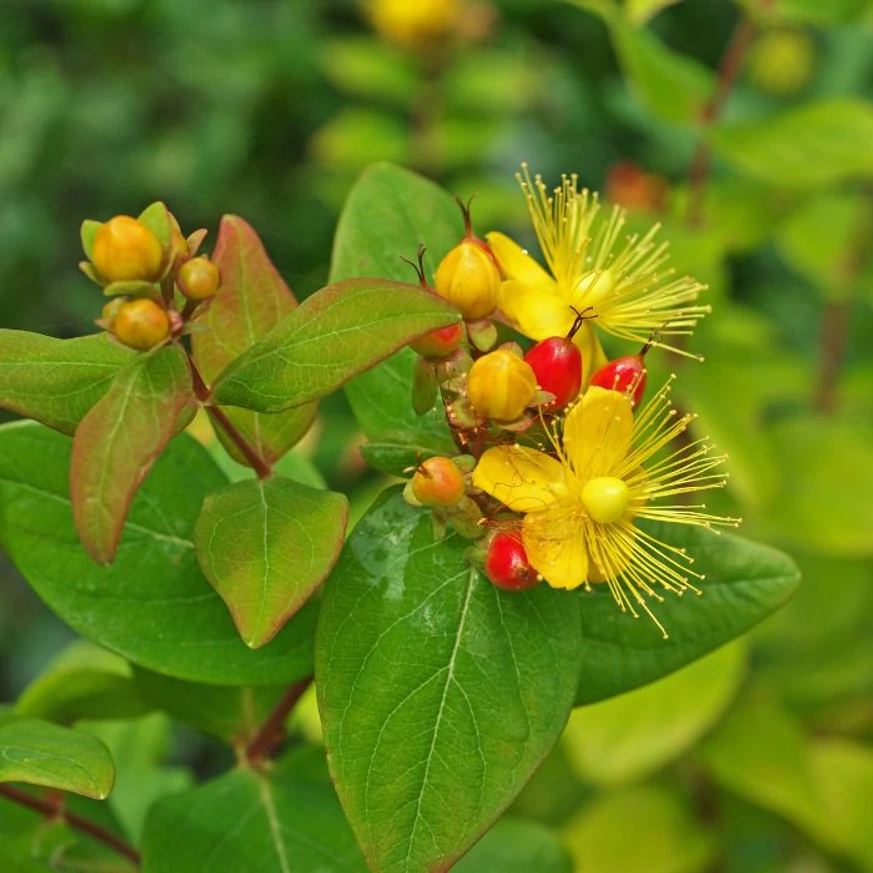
column 252, row 300
column 265, row 546
column 390, row 212
column 230, row 713
column 285, row 820
column 335, row 334
column 514, row 846
column 83, row 681
column 631, row 736
column 56, row 381
column 639, row 830
column 433, row 684
column 745, row 582
column 640, row 11
column 40, row 753
column 818, row 144
column 153, row 605
column 395, row 452
column 140, row 749
column 119, row 440
column 156, row 218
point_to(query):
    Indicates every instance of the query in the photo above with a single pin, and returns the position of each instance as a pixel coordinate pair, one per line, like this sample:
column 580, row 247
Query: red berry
column 438, row 483
column 557, row 363
column 506, row 564
column 626, row 375
column 439, row 343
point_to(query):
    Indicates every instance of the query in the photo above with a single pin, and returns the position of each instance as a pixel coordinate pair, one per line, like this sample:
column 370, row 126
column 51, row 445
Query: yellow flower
column 626, row 285
column 581, row 505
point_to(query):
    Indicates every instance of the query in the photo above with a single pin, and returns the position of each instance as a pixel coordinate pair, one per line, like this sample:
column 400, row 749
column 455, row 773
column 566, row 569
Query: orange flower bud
column 141, row 324
column 199, row 278
column 438, row 482
column 501, row 385
column 126, row 250
column 468, row 278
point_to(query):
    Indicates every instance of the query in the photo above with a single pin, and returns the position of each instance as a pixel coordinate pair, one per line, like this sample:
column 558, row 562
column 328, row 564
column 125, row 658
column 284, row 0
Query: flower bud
column 126, row 250
column 141, row 324
column 468, row 278
column 199, row 279
column 507, row 564
column 110, row 310
column 439, row 343
column 438, row 482
column 501, row 385
column 414, row 23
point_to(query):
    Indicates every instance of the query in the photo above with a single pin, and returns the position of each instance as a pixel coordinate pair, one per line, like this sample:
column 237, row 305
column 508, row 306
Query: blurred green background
column 758, row 759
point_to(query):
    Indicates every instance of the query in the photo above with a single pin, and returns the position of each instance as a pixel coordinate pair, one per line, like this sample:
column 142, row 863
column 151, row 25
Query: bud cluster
column 154, row 275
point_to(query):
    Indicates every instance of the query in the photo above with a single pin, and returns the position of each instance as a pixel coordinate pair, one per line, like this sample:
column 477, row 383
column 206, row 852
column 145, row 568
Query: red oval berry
column 557, row 363
column 626, row 375
column 439, row 343
column 506, row 564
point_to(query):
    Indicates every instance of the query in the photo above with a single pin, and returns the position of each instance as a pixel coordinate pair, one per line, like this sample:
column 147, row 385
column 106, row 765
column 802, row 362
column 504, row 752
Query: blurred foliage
column 755, row 760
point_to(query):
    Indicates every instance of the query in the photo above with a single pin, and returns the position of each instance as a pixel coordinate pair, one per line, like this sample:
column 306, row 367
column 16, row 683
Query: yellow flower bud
column 126, row 250
column 141, row 324
column 110, row 310
column 468, row 278
column 501, row 385
column 413, row 23
column 199, row 279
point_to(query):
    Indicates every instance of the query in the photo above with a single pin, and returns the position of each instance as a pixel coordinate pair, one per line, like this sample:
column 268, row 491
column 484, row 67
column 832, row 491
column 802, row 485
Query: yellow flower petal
column 537, row 313
column 597, row 433
column 554, row 539
column 515, row 262
column 521, row 478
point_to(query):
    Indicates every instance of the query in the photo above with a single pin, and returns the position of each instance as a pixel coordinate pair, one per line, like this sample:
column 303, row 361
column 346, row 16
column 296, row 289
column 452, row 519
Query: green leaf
column 119, row 440
column 745, row 582
column 434, row 685
column 395, row 452
column 153, row 605
column 252, row 300
column 631, row 736
column 88, row 234
column 230, row 713
column 156, row 218
column 284, row 820
column 340, row 331
column 40, row 753
column 818, row 144
column 265, row 546
column 56, row 381
column 781, row 12
column 639, row 830
column 83, row 681
column 514, row 846
column 390, row 212
column 640, row 11
column 140, row 749
column 367, row 68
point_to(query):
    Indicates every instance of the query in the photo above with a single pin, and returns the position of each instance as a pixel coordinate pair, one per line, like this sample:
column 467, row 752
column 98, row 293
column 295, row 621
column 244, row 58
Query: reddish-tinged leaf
column 342, row 330
column 119, row 440
column 56, row 381
column 265, row 546
column 252, row 300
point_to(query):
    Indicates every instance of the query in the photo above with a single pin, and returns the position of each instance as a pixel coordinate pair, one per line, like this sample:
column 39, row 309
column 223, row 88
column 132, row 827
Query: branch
column 728, row 71
column 52, row 810
column 272, row 731
column 201, row 390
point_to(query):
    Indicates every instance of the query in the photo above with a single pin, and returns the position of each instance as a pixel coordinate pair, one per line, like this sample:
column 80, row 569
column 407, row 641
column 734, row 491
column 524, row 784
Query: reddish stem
column 203, row 393
column 51, row 809
column 272, row 732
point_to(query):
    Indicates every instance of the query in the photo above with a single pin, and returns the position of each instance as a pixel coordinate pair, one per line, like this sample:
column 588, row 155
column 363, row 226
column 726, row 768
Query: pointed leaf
column 40, row 753
column 230, row 713
column 265, row 546
column 340, row 331
column 818, row 144
column 434, row 685
column 88, row 234
column 56, row 381
column 153, row 605
column 395, row 452
column 119, row 440
column 156, row 218
column 252, row 300
column 390, row 212
column 745, row 582
column 283, row 821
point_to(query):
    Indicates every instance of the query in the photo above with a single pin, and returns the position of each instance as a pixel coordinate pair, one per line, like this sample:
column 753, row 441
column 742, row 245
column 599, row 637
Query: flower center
column 593, row 289
column 605, row 498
